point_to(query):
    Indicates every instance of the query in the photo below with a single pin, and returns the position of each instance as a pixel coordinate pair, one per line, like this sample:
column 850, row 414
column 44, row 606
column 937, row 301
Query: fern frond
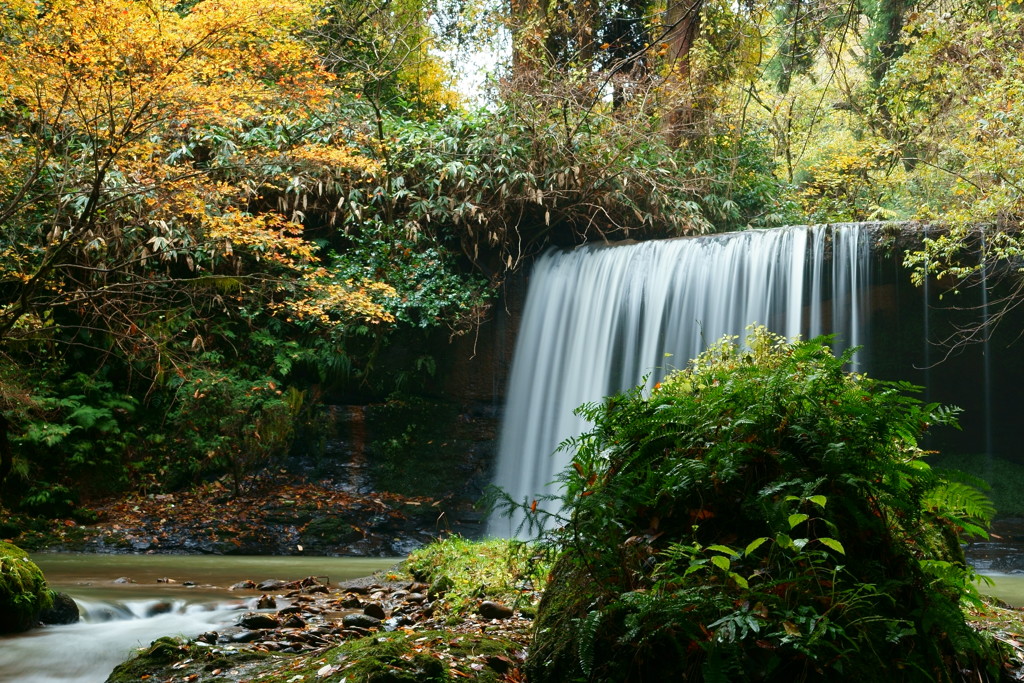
column 587, row 640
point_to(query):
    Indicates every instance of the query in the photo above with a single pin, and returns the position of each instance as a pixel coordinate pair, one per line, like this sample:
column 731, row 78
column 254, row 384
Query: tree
column 148, row 155
column 136, row 167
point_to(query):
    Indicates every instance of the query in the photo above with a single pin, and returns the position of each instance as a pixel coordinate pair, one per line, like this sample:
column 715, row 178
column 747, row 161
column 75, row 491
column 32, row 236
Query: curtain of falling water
column 601, row 319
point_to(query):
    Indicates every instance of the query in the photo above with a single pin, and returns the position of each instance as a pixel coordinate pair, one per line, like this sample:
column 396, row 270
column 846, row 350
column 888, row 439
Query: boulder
column 64, row 611
column 494, row 610
column 374, row 610
column 23, row 591
column 255, row 620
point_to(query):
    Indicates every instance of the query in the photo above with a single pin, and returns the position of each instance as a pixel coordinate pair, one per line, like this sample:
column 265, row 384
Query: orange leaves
column 335, row 160
column 129, row 63
column 265, row 236
column 330, row 303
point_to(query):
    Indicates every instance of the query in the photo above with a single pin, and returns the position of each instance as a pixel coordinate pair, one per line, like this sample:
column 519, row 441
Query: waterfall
column 601, row 319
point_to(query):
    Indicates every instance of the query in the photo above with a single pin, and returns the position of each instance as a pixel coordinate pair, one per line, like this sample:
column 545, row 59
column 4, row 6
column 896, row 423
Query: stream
column 118, row 617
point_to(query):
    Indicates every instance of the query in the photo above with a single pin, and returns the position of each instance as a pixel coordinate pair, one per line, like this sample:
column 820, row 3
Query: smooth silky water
column 118, row 617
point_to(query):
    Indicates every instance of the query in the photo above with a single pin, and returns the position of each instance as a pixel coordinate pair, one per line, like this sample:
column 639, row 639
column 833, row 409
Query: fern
column 962, row 502
column 586, row 640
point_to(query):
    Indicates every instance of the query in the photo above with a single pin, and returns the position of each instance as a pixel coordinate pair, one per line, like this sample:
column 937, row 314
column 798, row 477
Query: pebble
column 255, row 620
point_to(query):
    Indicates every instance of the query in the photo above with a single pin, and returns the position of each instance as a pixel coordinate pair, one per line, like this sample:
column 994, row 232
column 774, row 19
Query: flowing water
column 118, row 617
column 599, row 320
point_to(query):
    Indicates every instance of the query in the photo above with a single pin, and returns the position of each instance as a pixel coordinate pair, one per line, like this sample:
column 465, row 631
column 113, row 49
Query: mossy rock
column 332, row 530
column 168, row 658
column 23, row 590
column 554, row 652
column 417, row 657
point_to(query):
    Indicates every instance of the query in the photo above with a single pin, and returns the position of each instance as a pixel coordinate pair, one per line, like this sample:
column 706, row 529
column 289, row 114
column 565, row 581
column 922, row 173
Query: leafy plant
column 226, row 422
column 761, row 515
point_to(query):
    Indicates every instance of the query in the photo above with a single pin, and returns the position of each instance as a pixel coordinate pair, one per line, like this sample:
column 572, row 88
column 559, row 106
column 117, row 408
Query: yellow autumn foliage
column 131, row 89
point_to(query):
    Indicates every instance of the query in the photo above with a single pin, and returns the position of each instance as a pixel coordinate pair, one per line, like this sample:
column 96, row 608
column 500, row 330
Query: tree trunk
column 682, row 19
column 527, row 18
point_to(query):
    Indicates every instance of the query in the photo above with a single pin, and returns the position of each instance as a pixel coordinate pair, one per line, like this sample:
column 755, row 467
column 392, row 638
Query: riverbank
column 454, row 610
column 278, row 513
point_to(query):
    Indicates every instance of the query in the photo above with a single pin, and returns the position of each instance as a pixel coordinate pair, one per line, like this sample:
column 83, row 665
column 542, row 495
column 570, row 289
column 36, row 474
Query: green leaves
column 764, row 485
column 755, row 544
column 832, row 543
column 797, row 518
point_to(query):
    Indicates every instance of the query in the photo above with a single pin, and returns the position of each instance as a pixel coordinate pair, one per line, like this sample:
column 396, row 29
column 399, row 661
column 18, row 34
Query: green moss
column 413, row 450
column 466, row 571
column 23, row 590
column 561, row 611
column 417, row 657
column 168, row 658
column 335, row 530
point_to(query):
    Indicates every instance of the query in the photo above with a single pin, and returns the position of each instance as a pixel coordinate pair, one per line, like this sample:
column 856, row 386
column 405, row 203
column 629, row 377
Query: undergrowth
column 763, row 515
column 463, row 572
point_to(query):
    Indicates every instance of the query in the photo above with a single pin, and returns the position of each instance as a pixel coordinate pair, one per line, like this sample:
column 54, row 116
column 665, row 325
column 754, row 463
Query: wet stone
column 374, row 610
column 294, row 621
column 351, row 602
column 64, row 611
column 162, row 607
column 271, row 585
column 362, row 621
column 243, row 585
column 266, row 602
column 394, row 623
column 254, row 620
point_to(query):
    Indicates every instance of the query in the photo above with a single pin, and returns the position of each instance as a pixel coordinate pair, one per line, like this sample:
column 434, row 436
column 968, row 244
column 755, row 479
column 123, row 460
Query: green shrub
column 227, row 421
column 467, row 571
column 762, row 515
column 23, row 591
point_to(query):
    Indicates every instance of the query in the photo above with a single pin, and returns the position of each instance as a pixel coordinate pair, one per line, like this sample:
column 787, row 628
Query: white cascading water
column 599, row 319
column 88, row 651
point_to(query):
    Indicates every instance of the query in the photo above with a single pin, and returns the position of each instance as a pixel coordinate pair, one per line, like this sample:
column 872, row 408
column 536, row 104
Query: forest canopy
column 214, row 208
